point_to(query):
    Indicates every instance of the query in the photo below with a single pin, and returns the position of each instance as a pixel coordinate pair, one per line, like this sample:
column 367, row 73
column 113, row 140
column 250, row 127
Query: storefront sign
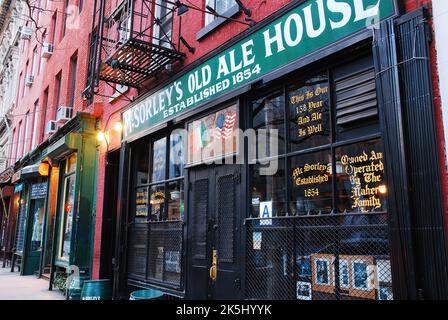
column 6, row 175
column 18, row 188
column 39, row 191
column 311, row 26
column 16, row 176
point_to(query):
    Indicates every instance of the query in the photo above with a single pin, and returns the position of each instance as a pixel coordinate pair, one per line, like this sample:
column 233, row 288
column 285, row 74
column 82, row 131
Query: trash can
column 150, row 294
column 97, row 290
column 74, row 294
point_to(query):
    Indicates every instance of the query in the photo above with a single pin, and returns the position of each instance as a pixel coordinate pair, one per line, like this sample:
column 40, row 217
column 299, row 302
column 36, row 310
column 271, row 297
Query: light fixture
column 44, row 169
column 118, row 127
column 101, row 137
column 181, row 8
column 211, row 10
column 115, row 64
column 382, row 189
column 246, row 11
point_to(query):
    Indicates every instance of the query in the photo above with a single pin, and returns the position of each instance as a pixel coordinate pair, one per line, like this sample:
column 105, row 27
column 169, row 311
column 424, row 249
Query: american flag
column 225, row 124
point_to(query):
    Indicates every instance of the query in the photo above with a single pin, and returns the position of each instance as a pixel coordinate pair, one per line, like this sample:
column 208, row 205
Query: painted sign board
column 311, row 26
column 39, row 191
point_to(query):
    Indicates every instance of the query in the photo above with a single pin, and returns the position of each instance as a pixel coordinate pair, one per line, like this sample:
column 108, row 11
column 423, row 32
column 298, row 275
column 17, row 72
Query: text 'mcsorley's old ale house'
column 297, row 160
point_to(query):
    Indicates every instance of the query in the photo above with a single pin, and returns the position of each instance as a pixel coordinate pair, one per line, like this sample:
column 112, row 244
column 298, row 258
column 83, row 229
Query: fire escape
column 133, row 43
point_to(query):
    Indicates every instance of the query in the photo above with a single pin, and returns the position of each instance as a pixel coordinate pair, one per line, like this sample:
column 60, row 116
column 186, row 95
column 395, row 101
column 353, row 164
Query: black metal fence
column 155, row 253
column 325, row 257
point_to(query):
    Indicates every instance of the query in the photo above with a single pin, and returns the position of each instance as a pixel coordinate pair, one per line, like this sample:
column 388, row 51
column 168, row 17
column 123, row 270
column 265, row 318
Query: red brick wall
column 75, row 41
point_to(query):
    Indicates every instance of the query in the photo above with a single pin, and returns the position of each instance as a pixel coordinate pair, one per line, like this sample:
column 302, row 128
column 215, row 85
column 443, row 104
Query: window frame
column 283, row 86
column 66, row 175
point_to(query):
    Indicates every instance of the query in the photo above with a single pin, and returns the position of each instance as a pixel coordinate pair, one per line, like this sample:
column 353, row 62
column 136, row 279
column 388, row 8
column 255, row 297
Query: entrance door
column 34, row 237
column 214, row 233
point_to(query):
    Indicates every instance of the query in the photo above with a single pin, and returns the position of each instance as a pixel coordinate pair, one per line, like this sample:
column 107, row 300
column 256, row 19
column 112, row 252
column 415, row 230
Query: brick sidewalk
column 15, row 287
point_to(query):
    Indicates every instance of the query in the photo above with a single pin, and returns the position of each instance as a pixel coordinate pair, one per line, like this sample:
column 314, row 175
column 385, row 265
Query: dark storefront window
column 333, row 242
column 268, row 113
column 67, row 208
column 155, row 243
column 308, row 103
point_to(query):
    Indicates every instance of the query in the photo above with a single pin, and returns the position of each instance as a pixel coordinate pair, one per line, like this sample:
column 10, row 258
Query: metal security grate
column 165, row 252
column 200, row 217
column 137, row 250
column 226, row 217
column 327, row 257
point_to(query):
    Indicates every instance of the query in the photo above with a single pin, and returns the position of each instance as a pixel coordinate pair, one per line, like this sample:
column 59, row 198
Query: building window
column 67, row 208
column 158, row 210
column 35, row 125
column 220, row 6
column 35, row 62
column 26, row 139
column 57, row 92
column 163, row 27
column 19, row 143
column 44, row 112
column 327, row 164
column 213, row 136
column 73, row 71
column 53, row 27
column 66, row 15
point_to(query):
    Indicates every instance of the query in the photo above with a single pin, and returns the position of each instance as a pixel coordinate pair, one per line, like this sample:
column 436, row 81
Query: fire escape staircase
column 133, row 44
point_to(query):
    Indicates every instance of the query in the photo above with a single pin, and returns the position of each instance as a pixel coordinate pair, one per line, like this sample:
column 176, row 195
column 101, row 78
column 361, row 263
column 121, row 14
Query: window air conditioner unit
column 51, row 127
column 26, row 33
column 29, row 81
column 64, row 114
column 47, row 50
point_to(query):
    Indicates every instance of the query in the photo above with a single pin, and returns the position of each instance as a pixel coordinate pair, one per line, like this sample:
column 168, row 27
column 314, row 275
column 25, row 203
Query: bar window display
column 67, row 209
column 337, row 217
column 309, row 113
column 311, row 177
column 156, row 232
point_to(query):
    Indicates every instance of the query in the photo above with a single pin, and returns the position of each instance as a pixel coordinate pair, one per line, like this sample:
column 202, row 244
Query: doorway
column 109, row 216
column 214, row 228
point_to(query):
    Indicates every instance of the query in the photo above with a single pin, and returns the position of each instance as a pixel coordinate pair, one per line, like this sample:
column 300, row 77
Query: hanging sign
column 266, row 213
column 18, row 187
column 311, row 26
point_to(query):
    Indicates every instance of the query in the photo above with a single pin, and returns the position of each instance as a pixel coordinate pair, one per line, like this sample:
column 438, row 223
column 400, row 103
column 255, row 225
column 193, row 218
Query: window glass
column 141, row 203
column 269, row 188
column 176, row 201
column 141, row 159
column 309, row 113
column 360, row 178
column 159, row 160
column 176, row 155
column 311, row 177
column 71, row 164
column 157, row 200
column 268, row 113
column 213, row 136
column 38, row 224
column 67, row 215
column 220, row 6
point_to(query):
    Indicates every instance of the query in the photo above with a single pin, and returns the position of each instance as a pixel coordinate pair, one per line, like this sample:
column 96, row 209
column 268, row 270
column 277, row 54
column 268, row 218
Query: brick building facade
column 120, row 202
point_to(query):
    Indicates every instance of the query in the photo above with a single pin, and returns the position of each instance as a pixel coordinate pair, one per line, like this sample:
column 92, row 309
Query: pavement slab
column 15, row 287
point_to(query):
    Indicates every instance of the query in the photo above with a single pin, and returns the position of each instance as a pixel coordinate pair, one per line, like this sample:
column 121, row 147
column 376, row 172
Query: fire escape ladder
column 137, row 42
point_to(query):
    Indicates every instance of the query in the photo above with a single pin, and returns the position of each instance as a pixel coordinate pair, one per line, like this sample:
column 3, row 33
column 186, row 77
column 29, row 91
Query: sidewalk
column 15, row 287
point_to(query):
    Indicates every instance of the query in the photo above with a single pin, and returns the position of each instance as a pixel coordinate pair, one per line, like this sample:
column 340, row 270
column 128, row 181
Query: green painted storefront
column 67, row 196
